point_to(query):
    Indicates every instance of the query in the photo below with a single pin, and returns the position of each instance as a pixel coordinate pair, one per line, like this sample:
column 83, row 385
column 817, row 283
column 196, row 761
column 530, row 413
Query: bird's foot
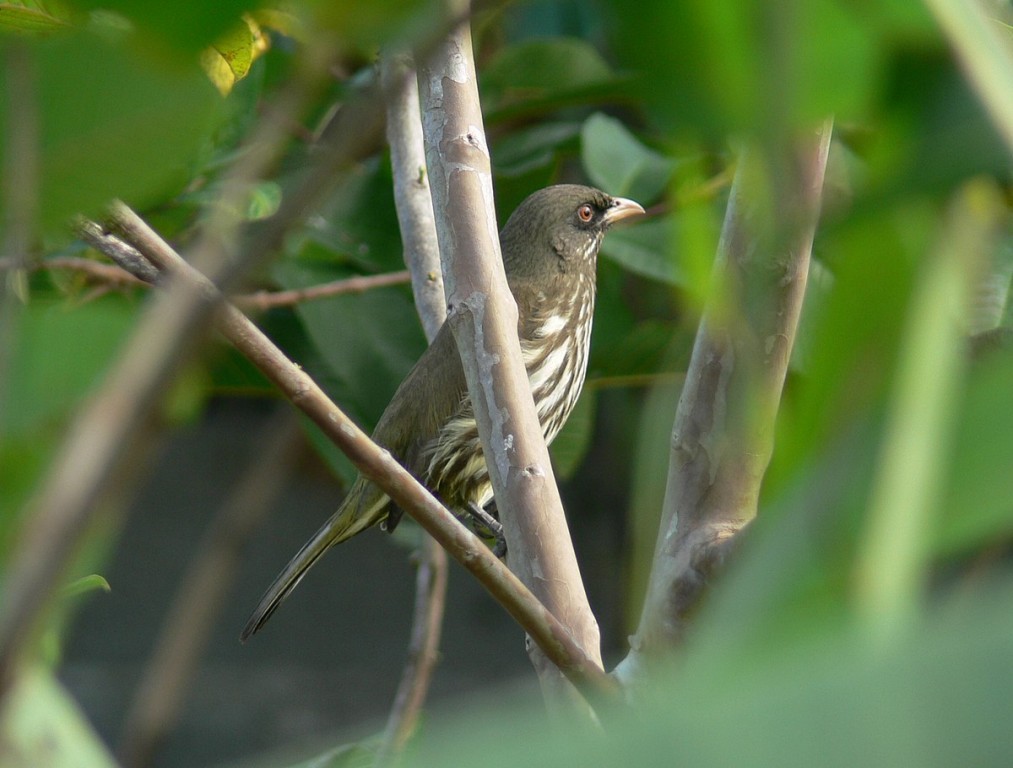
column 492, row 526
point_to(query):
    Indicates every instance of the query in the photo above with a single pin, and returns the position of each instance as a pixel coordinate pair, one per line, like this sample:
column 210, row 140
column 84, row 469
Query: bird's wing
column 432, row 393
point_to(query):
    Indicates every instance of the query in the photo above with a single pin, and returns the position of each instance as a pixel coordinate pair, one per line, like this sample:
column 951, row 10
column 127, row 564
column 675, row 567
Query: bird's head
column 560, row 228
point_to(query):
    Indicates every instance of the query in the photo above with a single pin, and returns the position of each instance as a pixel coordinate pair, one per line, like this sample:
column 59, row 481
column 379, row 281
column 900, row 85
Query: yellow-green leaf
column 229, row 59
column 28, row 18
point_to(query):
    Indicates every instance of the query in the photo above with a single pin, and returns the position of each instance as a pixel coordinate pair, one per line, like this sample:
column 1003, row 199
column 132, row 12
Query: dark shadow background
column 326, row 667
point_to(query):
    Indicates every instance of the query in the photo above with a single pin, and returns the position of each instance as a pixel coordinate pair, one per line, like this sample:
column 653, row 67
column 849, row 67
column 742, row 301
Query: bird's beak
column 622, row 208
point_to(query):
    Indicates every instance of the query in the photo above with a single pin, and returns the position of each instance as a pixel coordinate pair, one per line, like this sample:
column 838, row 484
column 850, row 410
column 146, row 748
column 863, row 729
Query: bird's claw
column 491, row 526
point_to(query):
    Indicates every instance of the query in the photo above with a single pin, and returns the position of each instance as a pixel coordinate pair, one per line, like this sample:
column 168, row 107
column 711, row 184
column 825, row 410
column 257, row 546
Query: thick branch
column 724, row 424
column 483, row 317
column 379, row 466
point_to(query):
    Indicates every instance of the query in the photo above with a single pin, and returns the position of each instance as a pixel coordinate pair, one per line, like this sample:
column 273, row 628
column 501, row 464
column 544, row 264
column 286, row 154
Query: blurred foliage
column 652, row 102
column 43, row 726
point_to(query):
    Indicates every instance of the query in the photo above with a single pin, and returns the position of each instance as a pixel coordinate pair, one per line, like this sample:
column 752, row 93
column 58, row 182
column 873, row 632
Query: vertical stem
column 19, row 194
column 722, row 437
column 483, row 318
column 422, row 256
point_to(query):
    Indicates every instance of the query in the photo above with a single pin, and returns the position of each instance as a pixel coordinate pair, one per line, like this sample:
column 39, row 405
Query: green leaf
column 543, row 70
column 525, row 150
column 229, row 58
column 22, row 461
column 619, row 163
column 646, row 250
column 830, row 701
column 571, row 444
column 84, row 585
column 112, row 124
column 740, row 66
column 343, row 756
column 58, row 357
column 978, row 501
column 892, row 564
column 188, row 25
column 27, row 18
column 41, row 725
column 265, row 198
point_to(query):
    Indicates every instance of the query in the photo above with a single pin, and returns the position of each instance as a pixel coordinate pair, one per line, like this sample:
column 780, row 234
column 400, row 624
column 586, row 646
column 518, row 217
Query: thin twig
column 205, row 586
column 264, row 300
column 96, row 270
column 380, row 467
column 423, row 649
column 101, row 241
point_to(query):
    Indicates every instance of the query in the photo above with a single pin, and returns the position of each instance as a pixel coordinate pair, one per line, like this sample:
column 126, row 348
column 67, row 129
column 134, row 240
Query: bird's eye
column 585, row 212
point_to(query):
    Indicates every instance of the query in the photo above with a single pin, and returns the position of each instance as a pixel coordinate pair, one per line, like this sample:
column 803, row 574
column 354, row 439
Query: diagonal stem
column 379, row 466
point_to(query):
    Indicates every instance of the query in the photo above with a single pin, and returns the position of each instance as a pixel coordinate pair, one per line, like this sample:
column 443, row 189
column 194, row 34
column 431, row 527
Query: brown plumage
column 550, row 247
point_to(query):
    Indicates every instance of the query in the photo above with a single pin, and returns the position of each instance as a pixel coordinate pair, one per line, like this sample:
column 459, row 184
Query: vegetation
column 833, row 583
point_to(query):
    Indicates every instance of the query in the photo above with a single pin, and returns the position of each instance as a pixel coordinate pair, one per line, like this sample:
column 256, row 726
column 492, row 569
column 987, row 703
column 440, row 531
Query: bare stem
column 380, row 467
column 422, row 256
column 412, row 197
column 119, row 251
column 722, row 437
column 18, row 193
column 264, row 300
column 483, row 317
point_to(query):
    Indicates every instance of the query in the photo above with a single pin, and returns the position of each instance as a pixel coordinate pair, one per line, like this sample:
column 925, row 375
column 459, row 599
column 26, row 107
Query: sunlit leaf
column 42, row 725
column 26, row 17
column 230, row 57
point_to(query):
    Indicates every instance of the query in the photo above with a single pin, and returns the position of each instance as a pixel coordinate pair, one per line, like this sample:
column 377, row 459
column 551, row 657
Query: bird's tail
column 363, row 508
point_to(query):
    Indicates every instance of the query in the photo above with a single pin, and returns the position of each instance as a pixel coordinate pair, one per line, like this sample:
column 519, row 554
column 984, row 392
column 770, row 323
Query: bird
column 550, row 247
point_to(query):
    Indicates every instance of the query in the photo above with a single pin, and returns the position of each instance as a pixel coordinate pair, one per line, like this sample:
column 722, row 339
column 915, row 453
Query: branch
column 127, row 266
column 188, row 623
column 483, row 317
column 412, row 198
column 422, row 256
column 264, row 300
column 722, row 437
column 18, row 194
column 101, row 442
column 379, row 466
